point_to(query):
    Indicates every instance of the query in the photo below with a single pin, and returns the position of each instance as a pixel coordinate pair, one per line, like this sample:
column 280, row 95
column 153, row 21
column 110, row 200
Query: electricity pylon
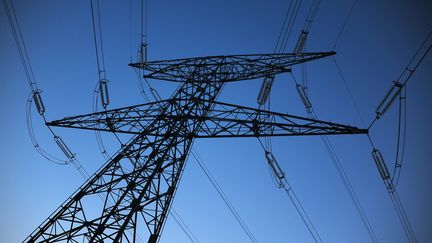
column 131, row 193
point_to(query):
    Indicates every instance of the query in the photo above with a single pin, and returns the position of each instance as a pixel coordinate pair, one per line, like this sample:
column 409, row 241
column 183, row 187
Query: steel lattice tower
column 132, row 192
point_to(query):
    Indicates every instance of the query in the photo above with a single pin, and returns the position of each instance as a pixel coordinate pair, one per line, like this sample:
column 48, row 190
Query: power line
column 290, row 25
column 404, row 77
column 348, row 186
column 183, row 226
column 36, row 96
column 349, row 91
column 278, row 176
column 224, row 197
column 344, row 24
column 342, row 174
column 401, row 138
column 285, row 33
column 280, row 181
column 144, row 14
column 399, row 90
column 98, row 42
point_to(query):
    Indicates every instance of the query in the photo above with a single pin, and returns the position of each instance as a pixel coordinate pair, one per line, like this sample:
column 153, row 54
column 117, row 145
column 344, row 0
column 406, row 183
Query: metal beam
column 229, row 68
column 225, row 120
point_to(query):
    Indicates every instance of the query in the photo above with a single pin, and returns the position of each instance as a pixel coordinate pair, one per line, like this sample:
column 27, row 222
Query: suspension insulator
column 379, row 161
column 62, row 145
column 265, row 90
column 303, row 96
column 277, row 170
column 143, row 53
column 103, row 90
column 301, row 42
column 389, row 99
column 37, row 98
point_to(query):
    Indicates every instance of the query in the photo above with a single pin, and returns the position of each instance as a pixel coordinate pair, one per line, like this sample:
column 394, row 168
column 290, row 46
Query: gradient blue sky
column 378, row 42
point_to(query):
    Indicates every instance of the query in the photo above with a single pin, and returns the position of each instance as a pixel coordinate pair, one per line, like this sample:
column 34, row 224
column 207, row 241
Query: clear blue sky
column 379, row 40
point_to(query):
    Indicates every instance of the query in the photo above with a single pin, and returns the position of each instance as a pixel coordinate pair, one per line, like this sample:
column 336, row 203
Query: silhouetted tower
column 131, row 193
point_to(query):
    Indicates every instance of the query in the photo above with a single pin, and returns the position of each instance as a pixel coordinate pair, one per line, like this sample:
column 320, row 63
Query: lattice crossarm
column 225, row 68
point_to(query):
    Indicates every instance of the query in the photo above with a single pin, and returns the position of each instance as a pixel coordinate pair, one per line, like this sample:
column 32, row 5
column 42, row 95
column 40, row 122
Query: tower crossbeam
column 229, row 68
column 225, row 120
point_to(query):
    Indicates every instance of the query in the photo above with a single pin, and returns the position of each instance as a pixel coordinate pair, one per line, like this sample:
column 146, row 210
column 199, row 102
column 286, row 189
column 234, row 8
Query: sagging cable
column 397, row 204
column 100, row 58
column 224, row 197
column 343, row 176
column 185, row 228
column 401, row 138
column 404, row 77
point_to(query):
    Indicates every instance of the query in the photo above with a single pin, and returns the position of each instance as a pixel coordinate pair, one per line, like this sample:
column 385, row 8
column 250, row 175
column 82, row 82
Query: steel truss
column 226, row 68
column 129, row 196
column 225, row 120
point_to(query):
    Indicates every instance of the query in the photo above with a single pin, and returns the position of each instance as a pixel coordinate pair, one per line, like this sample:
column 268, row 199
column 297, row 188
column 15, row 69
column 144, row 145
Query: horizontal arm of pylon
column 228, row 120
column 225, row 68
column 225, row 120
column 131, row 119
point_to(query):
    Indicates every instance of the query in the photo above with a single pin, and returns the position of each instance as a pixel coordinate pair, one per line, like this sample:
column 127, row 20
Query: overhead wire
column 224, row 197
column 97, row 30
column 342, row 175
column 399, row 90
column 401, row 138
column 280, row 181
column 102, row 78
column 347, row 88
column 279, row 178
column 286, row 30
column 36, row 97
column 281, row 33
column 183, row 226
column 329, row 147
column 344, row 24
column 283, row 38
column 302, row 42
column 405, row 76
column 72, row 159
column 142, row 47
column 144, row 14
